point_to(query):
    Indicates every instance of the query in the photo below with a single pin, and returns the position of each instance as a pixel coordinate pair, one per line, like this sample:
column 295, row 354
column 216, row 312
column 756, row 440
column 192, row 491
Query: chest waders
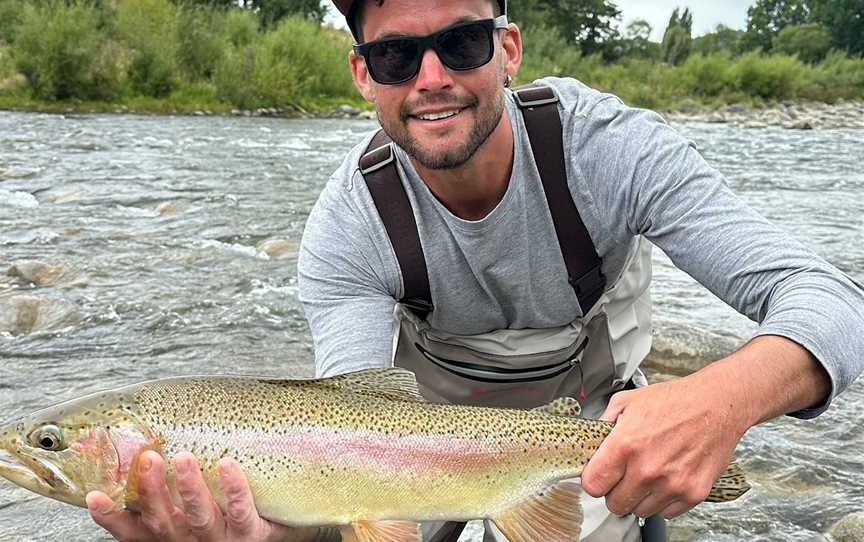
column 523, row 368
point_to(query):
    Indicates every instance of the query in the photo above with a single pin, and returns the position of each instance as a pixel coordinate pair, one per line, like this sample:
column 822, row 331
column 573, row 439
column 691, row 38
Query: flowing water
column 154, row 228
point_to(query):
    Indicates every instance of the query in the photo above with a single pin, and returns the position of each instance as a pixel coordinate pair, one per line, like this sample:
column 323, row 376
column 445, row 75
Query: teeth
column 439, row 116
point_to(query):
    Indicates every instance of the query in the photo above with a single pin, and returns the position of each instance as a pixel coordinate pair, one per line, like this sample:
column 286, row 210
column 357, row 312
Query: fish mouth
column 35, row 474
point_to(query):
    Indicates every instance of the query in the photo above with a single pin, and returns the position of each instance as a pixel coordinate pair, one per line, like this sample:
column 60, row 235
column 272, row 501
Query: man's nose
column 433, row 74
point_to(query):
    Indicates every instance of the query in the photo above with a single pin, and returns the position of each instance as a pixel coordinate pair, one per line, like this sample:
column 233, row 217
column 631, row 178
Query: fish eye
column 48, row 437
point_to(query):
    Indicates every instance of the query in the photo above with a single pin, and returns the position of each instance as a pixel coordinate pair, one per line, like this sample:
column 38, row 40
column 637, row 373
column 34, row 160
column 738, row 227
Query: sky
column 707, row 14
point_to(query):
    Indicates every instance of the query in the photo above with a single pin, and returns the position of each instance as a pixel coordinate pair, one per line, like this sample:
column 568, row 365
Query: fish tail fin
column 553, row 515
column 731, row 485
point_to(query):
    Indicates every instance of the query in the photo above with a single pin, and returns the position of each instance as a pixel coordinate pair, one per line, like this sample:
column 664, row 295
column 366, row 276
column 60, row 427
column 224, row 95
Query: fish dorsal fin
column 386, row 531
column 391, row 383
column 553, row 515
column 731, row 485
column 563, row 406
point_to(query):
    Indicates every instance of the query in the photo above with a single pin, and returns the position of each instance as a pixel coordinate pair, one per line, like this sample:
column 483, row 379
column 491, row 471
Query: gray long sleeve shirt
column 630, row 174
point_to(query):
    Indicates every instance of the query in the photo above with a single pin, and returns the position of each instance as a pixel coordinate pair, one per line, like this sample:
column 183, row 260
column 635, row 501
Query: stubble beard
column 488, row 117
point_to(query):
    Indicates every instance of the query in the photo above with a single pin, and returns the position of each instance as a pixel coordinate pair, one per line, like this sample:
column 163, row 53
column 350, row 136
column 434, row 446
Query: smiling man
column 497, row 244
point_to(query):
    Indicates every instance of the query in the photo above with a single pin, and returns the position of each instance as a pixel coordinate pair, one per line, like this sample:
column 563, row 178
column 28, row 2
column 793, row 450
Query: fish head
column 66, row 451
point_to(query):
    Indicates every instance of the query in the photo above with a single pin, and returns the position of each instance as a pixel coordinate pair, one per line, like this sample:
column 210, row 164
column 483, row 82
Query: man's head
column 352, row 10
column 445, row 108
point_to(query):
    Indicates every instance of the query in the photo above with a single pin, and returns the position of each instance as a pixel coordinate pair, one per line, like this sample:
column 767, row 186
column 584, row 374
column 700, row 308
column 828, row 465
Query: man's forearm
column 771, row 376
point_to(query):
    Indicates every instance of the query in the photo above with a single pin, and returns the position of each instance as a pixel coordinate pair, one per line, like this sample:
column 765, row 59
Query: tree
column 845, row 21
column 589, row 24
column 809, row 42
column 722, row 39
column 766, row 18
column 272, row 11
column 637, row 40
column 677, row 39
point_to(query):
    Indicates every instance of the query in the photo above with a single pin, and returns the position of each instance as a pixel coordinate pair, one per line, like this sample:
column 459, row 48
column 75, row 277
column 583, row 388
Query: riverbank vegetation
column 219, row 55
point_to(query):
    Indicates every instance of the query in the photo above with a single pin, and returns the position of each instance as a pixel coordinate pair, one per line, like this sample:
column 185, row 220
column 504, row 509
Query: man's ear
column 360, row 74
column 511, row 42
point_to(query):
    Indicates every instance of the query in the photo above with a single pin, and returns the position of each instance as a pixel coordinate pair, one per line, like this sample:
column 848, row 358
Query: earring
column 508, row 81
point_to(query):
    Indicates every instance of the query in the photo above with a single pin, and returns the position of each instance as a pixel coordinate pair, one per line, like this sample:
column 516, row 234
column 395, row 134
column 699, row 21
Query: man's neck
column 475, row 188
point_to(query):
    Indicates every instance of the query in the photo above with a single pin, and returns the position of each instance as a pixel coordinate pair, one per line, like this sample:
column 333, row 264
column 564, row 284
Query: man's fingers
column 122, row 524
column 157, row 509
column 616, row 407
column 240, row 512
column 202, row 515
column 624, row 498
column 604, row 470
column 676, row 509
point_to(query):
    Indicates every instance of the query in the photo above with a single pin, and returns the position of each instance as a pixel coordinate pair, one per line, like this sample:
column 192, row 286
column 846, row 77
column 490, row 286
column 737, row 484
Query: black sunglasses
column 463, row 46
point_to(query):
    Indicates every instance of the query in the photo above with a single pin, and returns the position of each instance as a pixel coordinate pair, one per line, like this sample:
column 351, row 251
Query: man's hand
column 196, row 518
column 669, row 444
column 672, row 440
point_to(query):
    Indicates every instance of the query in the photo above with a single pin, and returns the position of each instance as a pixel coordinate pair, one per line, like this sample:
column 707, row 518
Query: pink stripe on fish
column 358, row 448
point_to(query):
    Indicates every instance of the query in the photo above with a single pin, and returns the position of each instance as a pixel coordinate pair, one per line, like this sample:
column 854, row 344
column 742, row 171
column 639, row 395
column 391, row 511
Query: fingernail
column 182, row 467
column 146, row 464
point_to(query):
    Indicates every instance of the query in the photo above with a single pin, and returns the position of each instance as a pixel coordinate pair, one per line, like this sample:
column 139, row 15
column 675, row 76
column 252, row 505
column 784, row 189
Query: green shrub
column 776, row 77
column 296, row 60
column 546, row 53
column 10, row 18
column 839, row 76
column 149, row 29
column 809, row 42
column 200, row 44
column 239, row 27
column 63, row 54
column 708, row 76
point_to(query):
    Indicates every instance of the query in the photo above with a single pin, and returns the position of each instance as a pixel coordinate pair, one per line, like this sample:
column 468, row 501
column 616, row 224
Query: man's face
column 440, row 117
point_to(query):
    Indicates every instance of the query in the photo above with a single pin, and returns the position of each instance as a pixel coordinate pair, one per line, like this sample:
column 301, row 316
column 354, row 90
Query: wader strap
column 539, row 105
column 378, row 167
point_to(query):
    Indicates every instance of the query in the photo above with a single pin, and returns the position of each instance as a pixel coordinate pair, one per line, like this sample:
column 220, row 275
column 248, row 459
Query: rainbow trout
column 361, row 450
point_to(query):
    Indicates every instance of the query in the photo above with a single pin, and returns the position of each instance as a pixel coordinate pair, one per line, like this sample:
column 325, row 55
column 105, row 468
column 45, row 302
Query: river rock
column 803, row 124
column 166, row 207
column 849, row 529
column 35, row 272
column 279, row 249
column 347, row 110
column 28, row 314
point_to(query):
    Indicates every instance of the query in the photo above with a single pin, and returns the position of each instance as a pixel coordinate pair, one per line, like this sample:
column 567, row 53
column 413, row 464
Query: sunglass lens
column 465, row 47
column 394, row 61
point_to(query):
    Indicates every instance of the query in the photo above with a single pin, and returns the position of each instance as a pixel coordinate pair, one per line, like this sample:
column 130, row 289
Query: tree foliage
column 844, row 19
column 809, row 42
column 721, row 39
column 590, row 24
column 766, row 18
column 677, row 39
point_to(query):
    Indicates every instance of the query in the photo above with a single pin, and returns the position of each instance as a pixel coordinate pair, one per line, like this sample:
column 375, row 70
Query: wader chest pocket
column 456, row 374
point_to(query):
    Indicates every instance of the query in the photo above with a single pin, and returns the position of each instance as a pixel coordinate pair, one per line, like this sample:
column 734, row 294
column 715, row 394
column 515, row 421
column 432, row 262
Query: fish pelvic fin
column 386, row 531
column 552, row 515
column 563, row 406
column 731, row 485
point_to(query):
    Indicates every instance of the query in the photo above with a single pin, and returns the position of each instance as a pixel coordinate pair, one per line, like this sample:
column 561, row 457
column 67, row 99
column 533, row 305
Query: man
column 497, row 320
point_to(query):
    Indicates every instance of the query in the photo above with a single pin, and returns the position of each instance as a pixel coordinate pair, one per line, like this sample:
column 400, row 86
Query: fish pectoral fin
column 386, row 531
column 563, row 406
column 553, row 515
column 731, row 485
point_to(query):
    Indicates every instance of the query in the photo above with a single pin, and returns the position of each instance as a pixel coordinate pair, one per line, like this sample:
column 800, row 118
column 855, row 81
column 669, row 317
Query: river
column 157, row 224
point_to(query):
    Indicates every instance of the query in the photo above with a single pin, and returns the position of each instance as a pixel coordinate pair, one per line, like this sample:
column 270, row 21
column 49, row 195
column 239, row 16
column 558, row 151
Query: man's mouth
column 440, row 115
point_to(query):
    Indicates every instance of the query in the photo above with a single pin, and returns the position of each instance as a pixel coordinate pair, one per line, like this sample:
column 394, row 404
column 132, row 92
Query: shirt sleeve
column 346, row 296
column 651, row 181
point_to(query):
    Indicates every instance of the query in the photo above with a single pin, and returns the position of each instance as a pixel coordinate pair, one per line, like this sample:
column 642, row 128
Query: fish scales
column 359, row 449
column 308, row 441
